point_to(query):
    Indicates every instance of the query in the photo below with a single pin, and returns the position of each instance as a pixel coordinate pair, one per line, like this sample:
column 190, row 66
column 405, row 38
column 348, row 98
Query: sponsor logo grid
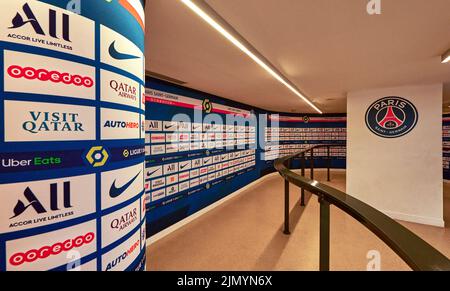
column 167, row 137
column 49, row 99
column 282, row 141
column 446, row 146
column 177, row 152
column 168, row 179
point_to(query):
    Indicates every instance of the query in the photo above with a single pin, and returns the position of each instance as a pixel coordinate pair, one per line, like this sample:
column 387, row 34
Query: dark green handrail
column 416, row 252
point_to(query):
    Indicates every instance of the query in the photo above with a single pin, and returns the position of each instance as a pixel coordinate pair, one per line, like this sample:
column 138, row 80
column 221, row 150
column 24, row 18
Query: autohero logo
column 44, row 75
column 53, row 250
column 51, row 121
column 121, row 124
column 33, row 203
column 124, row 221
column 391, row 117
column 123, row 257
column 124, row 90
column 57, row 26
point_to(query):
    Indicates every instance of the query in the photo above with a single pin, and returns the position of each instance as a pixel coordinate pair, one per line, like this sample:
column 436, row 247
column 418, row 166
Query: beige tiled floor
column 245, row 234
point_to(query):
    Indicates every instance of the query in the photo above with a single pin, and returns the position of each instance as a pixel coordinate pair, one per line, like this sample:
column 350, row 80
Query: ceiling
column 326, row 47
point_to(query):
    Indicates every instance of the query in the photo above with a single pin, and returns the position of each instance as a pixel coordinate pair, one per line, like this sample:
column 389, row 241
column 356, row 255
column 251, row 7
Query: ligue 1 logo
column 391, row 117
column 207, row 106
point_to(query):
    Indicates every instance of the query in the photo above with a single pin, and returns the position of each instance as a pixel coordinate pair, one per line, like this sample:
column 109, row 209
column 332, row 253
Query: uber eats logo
column 40, row 121
column 36, row 161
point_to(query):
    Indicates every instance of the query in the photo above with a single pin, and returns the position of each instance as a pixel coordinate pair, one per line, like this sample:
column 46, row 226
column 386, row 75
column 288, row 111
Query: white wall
column 401, row 177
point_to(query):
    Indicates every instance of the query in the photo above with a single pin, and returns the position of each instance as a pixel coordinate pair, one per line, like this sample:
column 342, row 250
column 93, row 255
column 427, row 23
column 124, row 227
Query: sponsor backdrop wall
column 72, row 148
column 201, row 148
column 394, row 158
column 446, row 145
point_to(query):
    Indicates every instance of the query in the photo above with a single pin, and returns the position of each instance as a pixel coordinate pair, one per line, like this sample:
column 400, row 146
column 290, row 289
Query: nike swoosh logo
column 151, row 173
column 115, row 192
column 167, row 127
column 184, row 166
column 118, row 55
column 207, row 161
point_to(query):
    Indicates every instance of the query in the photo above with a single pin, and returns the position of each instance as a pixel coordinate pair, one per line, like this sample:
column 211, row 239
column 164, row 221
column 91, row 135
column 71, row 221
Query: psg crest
column 391, row 117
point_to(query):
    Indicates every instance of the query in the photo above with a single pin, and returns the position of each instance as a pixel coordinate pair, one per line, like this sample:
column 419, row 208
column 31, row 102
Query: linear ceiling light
column 247, row 50
column 446, row 57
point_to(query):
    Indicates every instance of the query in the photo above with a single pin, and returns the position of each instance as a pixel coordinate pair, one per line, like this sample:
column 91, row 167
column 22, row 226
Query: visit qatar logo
column 391, row 117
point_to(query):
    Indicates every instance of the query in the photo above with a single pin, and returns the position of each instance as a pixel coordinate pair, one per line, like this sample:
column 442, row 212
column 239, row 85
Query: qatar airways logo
column 44, row 75
column 124, row 90
column 126, row 220
column 53, row 250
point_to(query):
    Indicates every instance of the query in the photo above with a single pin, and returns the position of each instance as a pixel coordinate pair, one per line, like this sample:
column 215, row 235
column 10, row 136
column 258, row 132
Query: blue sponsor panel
column 201, row 148
column 286, row 134
column 446, row 146
column 72, row 152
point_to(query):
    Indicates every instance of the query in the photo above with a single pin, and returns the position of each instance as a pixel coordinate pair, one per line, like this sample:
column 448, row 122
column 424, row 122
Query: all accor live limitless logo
column 52, row 76
column 33, row 202
column 53, row 250
column 27, row 17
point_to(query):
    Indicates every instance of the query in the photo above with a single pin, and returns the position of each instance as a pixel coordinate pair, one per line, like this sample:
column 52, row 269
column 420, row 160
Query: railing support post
column 286, row 204
column 312, row 164
column 302, row 197
column 329, row 164
column 324, row 235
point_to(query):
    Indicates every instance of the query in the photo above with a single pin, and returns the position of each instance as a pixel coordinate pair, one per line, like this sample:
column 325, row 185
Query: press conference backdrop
column 446, row 145
column 201, row 148
column 72, row 148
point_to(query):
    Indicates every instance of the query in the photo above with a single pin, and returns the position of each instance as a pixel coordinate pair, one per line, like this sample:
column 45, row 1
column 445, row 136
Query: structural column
column 72, row 148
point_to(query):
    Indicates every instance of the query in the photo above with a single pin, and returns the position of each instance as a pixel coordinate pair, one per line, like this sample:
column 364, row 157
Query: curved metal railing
column 416, row 252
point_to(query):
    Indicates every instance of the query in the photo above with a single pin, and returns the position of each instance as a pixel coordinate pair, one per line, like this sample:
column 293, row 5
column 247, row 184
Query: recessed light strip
column 218, row 23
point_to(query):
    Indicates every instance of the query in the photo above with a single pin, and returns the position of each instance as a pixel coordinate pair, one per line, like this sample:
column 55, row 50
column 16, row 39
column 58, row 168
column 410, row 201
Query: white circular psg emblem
column 391, row 117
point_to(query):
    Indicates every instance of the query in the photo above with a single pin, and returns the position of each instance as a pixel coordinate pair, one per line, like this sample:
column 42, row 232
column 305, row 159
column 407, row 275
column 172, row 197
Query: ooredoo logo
column 47, row 251
column 52, row 76
column 391, row 117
